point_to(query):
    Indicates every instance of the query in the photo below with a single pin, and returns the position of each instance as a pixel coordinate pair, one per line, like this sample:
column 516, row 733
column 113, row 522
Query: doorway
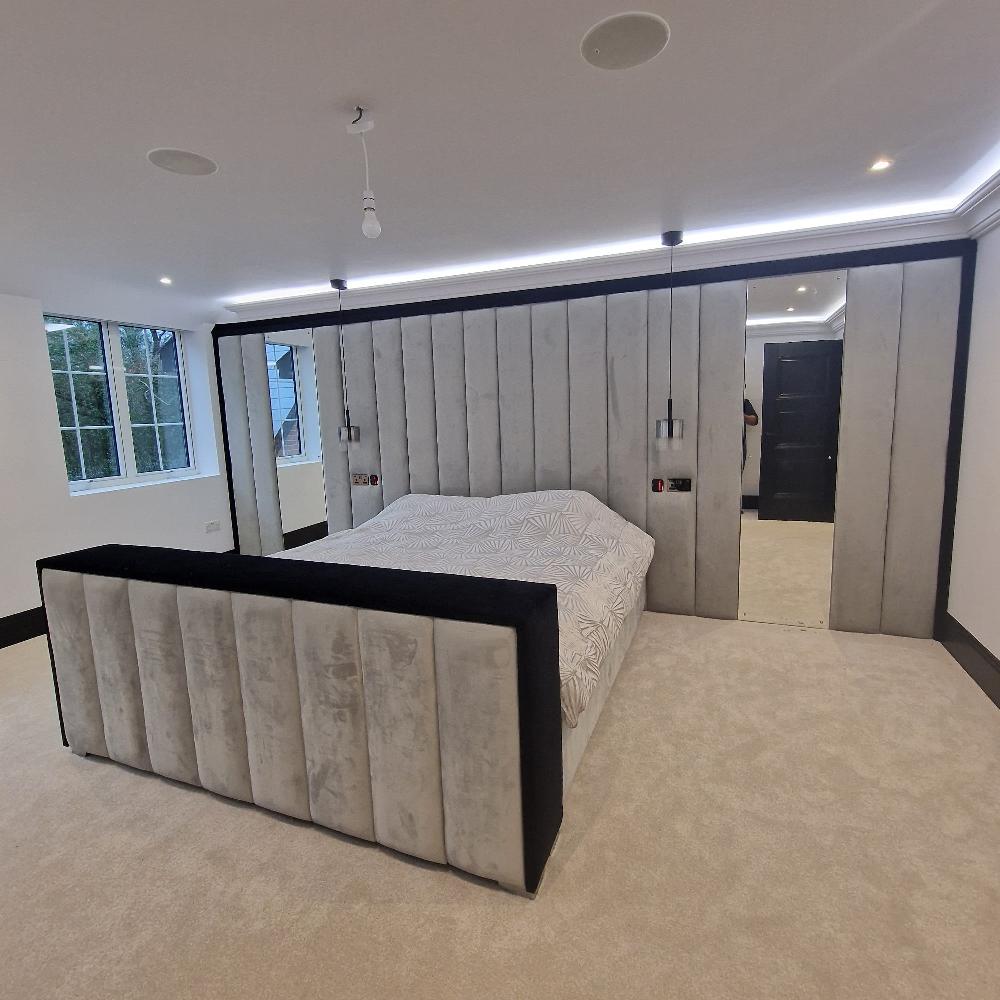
column 793, row 365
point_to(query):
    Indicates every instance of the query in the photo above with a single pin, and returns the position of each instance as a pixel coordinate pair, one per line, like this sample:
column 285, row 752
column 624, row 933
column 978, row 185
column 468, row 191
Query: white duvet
column 596, row 559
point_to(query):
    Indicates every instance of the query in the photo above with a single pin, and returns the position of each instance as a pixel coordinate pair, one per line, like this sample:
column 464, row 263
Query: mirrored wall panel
column 791, row 413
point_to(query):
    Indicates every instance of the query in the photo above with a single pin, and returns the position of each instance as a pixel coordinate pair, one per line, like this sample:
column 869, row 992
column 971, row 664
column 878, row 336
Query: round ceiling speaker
column 181, row 161
column 624, row 41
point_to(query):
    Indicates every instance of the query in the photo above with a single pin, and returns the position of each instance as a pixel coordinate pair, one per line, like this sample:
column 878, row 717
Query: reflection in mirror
column 291, row 379
column 791, row 415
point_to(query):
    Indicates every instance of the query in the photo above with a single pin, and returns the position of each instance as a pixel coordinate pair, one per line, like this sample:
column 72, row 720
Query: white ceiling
column 769, row 299
column 493, row 137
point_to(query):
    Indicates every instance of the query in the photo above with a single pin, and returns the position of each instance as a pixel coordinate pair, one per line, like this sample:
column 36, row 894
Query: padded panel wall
column 364, row 455
column 517, row 421
column 588, row 396
column 482, row 402
column 448, row 343
column 330, row 398
column 421, row 419
column 387, row 337
column 550, row 394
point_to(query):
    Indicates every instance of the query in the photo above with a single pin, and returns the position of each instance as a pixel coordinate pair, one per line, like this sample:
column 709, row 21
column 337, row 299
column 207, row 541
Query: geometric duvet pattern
column 596, row 559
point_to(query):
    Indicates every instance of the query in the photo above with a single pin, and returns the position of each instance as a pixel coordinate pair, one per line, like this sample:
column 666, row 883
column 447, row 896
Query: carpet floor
column 763, row 812
column 785, row 569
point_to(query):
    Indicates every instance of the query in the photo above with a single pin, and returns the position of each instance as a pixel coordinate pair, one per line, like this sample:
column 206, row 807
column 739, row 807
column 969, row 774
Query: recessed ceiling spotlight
column 181, row 161
column 801, row 289
column 882, row 163
column 790, row 309
column 166, row 281
column 624, row 41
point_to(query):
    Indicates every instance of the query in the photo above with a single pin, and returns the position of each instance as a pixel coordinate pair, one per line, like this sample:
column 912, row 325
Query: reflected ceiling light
column 790, row 309
column 182, row 161
column 882, row 163
column 624, row 41
column 166, row 281
column 57, row 327
column 802, row 288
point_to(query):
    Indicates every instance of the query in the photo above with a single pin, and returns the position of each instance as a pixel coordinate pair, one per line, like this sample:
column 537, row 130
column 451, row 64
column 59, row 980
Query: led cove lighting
column 798, row 320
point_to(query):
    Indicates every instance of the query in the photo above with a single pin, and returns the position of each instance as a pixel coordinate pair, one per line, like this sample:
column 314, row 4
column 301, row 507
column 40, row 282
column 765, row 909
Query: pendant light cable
column 343, row 357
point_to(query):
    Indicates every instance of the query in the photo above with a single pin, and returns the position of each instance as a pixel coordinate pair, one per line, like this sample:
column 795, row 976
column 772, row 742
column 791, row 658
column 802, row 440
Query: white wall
column 753, row 372
column 975, row 571
column 40, row 517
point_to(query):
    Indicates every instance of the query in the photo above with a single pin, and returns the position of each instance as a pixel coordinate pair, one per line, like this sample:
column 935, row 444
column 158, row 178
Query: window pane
column 155, row 398
column 147, row 457
column 72, row 456
column 100, row 456
column 169, row 408
column 93, row 405
column 284, row 403
column 290, row 437
column 173, row 445
column 140, row 399
column 84, row 398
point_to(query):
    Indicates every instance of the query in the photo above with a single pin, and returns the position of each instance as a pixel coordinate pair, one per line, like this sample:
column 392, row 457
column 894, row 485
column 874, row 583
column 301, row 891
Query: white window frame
column 129, row 474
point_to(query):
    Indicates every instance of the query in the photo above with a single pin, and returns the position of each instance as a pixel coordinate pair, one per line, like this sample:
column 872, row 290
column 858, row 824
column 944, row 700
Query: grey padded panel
column 720, row 448
column 220, row 738
column 265, row 464
column 550, row 379
column 517, row 423
column 421, row 422
column 670, row 517
column 238, row 434
column 69, row 633
column 448, row 343
column 480, row 748
column 334, row 730
column 363, row 456
column 330, row 397
column 397, row 661
column 270, row 689
column 163, row 680
column 627, row 406
column 588, row 396
column 867, row 405
column 482, row 401
column 117, row 670
column 927, row 335
column 390, row 395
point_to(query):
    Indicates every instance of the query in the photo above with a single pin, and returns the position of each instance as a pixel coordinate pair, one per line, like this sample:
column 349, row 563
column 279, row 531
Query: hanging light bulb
column 370, row 226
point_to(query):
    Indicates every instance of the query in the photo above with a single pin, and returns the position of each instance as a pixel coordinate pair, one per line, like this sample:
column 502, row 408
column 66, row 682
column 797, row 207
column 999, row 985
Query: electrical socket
column 211, row 526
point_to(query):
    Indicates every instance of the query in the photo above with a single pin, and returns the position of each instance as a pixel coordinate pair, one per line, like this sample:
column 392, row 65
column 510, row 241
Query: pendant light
column 370, row 226
column 672, row 428
column 347, row 432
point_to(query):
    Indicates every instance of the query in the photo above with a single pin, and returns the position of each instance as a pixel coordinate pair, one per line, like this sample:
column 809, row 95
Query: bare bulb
column 370, row 225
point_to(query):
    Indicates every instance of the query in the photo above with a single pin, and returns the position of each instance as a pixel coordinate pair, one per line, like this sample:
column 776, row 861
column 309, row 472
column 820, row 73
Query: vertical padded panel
column 390, row 395
column 421, row 422
column 448, row 342
column 670, row 517
column 234, row 393
column 720, row 448
column 397, row 658
column 927, row 335
column 69, row 633
column 867, row 404
column 165, row 702
column 517, row 422
column 482, row 401
column 330, row 397
column 588, row 396
column 627, row 406
column 550, row 378
column 270, row 686
column 363, row 456
column 480, row 748
column 333, row 717
column 213, row 674
column 117, row 670
column 265, row 464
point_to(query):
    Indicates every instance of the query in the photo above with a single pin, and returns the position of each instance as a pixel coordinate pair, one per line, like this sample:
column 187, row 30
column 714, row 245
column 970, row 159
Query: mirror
column 291, row 381
column 793, row 362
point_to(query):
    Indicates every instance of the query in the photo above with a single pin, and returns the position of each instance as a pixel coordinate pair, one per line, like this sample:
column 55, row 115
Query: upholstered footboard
column 417, row 710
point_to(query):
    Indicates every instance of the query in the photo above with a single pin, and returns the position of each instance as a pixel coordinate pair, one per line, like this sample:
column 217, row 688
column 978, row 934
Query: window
column 120, row 395
column 282, row 381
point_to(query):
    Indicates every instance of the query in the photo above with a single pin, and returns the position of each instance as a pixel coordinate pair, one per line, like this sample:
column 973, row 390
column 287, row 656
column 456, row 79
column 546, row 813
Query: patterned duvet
column 596, row 559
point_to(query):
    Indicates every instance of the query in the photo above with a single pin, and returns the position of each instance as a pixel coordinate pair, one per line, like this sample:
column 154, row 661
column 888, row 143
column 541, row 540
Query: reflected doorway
column 793, row 363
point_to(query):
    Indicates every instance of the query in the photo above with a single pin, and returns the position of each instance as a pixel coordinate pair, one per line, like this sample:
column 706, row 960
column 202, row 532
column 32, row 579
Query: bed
column 428, row 680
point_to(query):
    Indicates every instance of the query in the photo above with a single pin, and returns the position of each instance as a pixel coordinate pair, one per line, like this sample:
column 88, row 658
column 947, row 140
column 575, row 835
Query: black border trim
column 308, row 533
column 529, row 608
column 974, row 658
column 21, row 626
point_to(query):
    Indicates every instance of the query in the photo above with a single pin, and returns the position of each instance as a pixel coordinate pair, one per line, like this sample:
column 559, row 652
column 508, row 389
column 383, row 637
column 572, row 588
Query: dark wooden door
column 799, row 430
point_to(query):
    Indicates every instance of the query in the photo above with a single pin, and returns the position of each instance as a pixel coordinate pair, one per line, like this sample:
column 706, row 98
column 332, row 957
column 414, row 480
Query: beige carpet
column 785, row 571
column 763, row 812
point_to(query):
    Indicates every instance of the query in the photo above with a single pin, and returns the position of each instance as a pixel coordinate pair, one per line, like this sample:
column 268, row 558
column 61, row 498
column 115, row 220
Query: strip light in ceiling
column 797, row 320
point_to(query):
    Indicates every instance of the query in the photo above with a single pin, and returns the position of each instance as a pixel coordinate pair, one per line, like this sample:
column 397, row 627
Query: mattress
column 596, row 559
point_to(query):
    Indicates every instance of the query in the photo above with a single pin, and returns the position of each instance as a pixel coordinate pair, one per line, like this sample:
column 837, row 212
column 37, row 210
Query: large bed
column 428, row 680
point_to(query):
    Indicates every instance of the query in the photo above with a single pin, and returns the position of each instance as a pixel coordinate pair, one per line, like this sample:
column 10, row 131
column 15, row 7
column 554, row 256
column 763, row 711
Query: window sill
column 88, row 490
